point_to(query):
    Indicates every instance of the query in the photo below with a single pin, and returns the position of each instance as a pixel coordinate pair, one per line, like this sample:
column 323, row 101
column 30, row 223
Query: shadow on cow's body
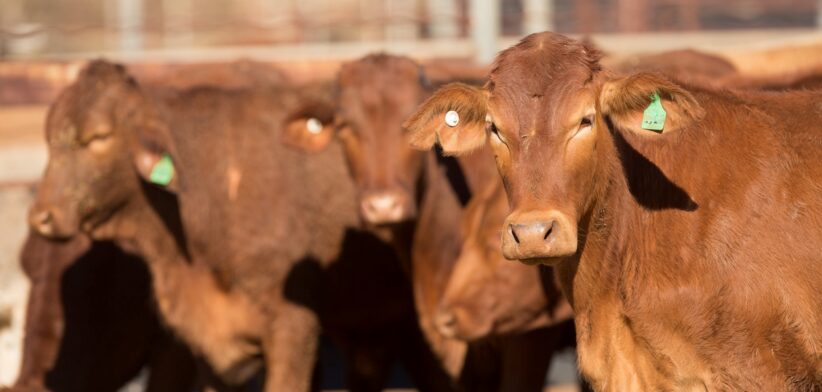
column 91, row 324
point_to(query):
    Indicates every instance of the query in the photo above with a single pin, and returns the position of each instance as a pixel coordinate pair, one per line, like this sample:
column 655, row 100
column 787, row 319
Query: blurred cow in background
column 251, row 246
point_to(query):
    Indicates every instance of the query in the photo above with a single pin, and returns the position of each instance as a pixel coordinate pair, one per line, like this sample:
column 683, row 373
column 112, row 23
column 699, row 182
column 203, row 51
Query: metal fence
column 40, row 28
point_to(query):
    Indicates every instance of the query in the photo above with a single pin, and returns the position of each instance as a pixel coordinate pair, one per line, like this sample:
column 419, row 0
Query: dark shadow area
column 111, row 329
column 364, row 299
column 646, row 182
column 168, row 207
column 455, row 175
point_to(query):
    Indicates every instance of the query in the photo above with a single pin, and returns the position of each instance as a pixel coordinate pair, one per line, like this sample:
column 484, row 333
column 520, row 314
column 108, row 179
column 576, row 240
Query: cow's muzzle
column 51, row 223
column 538, row 237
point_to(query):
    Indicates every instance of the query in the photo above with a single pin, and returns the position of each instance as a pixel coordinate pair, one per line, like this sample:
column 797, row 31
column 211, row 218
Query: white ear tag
column 313, row 126
column 452, row 118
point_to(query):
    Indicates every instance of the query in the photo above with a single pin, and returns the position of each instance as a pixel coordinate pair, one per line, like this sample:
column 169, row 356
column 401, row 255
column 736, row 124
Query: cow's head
column 98, row 131
column 487, row 294
column 546, row 111
column 374, row 95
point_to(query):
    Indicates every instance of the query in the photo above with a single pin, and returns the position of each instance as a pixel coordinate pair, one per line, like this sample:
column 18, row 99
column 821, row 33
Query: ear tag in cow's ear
column 654, row 117
column 313, row 126
column 163, row 171
column 452, row 118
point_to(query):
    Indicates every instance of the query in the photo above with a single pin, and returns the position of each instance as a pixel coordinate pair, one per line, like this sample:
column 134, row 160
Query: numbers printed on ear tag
column 163, row 171
column 654, row 117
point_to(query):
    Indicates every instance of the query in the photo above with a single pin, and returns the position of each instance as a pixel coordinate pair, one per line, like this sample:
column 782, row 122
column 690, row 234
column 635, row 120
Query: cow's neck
column 596, row 283
column 187, row 293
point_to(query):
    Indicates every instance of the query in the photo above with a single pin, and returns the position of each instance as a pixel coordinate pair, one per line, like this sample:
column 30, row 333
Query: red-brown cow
column 690, row 254
column 252, row 247
column 487, row 294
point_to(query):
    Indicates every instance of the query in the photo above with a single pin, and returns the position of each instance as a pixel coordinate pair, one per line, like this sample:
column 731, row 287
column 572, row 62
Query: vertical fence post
column 538, row 16
column 485, row 26
column 177, row 23
column 129, row 21
column 819, row 14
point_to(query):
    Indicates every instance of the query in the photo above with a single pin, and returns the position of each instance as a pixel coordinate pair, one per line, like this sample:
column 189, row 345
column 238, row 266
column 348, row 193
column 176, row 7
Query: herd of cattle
column 214, row 231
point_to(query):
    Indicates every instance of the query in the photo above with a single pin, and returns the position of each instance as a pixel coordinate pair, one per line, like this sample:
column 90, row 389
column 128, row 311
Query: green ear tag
column 654, row 117
column 163, row 171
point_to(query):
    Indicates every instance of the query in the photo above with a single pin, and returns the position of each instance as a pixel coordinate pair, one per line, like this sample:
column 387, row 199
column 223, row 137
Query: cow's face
column 91, row 169
column 374, row 96
column 487, row 294
column 544, row 113
column 538, row 114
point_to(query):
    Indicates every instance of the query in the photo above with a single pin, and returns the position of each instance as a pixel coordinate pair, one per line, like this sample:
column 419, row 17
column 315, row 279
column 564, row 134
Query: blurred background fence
column 62, row 28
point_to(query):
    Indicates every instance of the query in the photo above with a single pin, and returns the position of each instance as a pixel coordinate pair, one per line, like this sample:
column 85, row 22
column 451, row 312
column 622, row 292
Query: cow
column 515, row 309
column 487, row 294
column 91, row 324
column 252, row 247
column 690, row 65
column 809, row 79
column 414, row 199
column 686, row 243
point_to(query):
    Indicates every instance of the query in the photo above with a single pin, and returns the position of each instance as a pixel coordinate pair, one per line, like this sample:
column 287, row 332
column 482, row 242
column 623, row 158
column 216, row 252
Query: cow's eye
column 494, row 131
column 585, row 124
column 98, row 142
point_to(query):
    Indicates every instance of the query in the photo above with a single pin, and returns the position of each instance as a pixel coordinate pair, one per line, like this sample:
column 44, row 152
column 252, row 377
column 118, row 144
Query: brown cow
column 808, row 80
column 690, row 256
column 487, row 294
column 688, row 65
column 414, row 198
column 91, row 324
column 251, row 246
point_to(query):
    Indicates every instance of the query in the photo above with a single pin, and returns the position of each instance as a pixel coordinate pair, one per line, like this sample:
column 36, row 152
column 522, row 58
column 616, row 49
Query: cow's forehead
column 543, row 63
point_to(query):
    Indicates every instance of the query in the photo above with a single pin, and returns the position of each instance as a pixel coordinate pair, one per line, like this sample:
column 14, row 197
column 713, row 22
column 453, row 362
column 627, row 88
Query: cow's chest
column 628, row 342
column 216, row 324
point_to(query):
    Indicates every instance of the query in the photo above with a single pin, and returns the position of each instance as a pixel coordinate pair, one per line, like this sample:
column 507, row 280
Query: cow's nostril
column 549, row 231
column 446, row 323
column 513, row 233
column 44, row 218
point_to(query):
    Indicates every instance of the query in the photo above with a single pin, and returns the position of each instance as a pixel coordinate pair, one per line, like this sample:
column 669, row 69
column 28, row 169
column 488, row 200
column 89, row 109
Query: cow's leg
column 425, row 369
column 291, row 349
column 526, row 359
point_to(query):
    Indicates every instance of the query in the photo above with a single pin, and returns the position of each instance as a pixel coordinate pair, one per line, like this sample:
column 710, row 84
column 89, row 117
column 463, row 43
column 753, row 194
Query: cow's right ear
column 310, row 127
column 454, row 118
column 647, row 101
column 154, row 156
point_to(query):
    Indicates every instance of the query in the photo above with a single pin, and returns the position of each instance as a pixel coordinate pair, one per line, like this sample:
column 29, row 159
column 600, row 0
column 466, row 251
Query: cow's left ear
column 454, row 118
column 154, row 156
column 310, row 126
column 648, row 103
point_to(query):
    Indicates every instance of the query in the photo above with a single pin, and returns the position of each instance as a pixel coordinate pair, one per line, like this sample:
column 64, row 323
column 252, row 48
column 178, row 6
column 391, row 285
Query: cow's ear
column 310, row 127
column 155, row 158
column 454, row 118
column 648, row 103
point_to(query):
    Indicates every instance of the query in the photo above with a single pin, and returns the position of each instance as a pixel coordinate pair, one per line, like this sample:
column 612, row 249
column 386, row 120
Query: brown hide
column 689, row 256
